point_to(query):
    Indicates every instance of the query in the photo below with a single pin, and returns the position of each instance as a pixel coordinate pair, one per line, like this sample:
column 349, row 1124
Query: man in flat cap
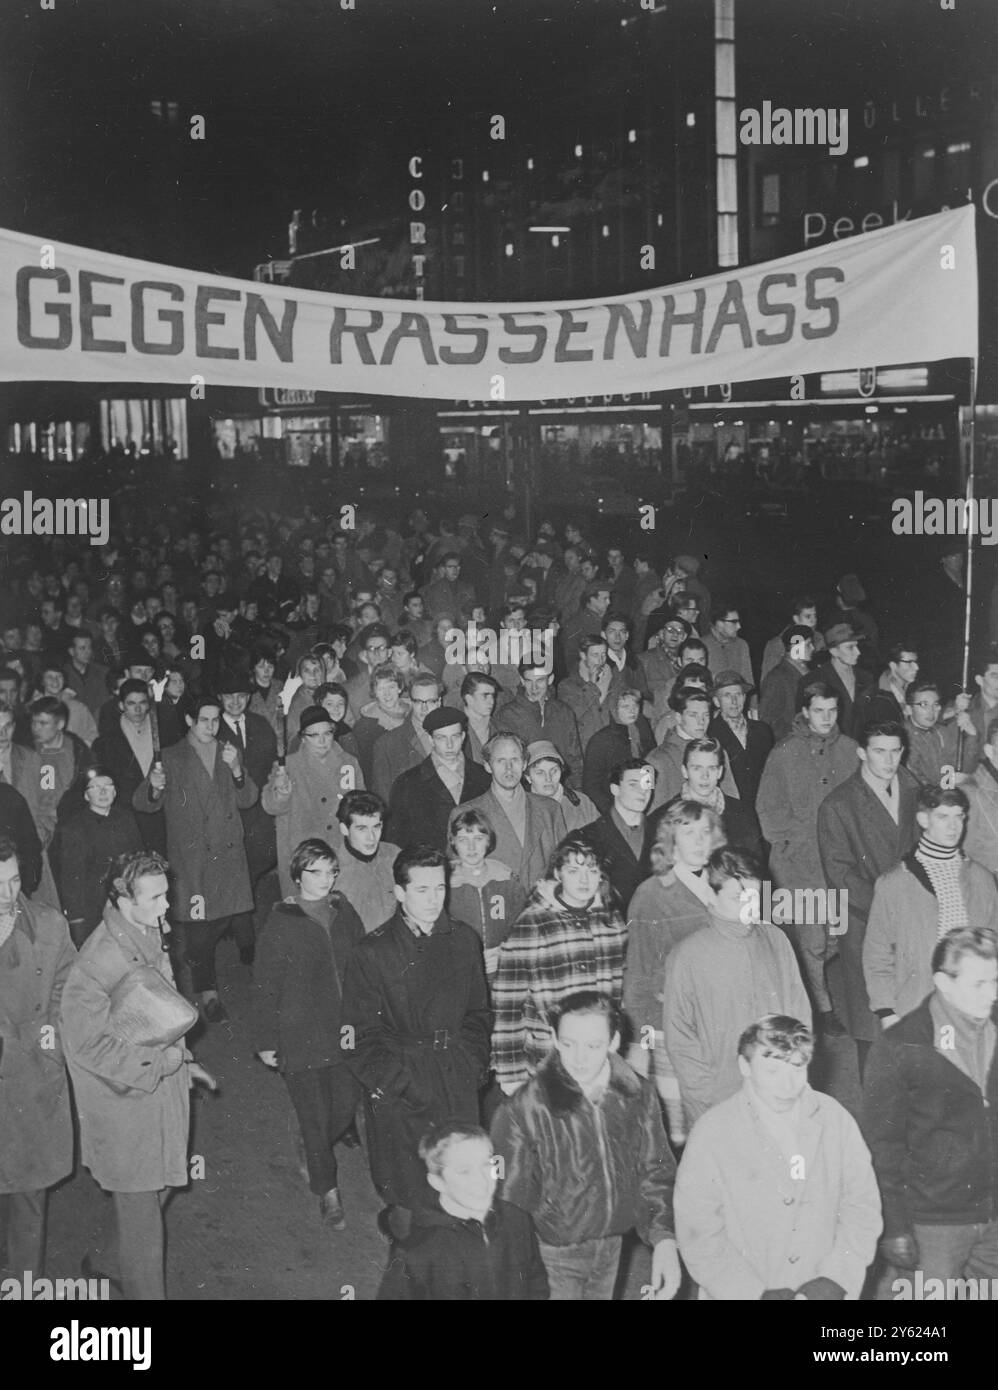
column 423, row 797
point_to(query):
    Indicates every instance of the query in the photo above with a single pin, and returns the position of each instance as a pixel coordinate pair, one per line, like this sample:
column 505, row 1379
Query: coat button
column 323, row 800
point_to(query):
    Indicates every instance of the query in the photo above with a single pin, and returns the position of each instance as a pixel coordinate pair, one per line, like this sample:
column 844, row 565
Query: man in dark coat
column 416, row 997
column 16, row 824
column 865, row 826
column 126, row 750
column 423, row 798
column 397, row 750
column 747, row 743
column 201, row 786
column 254, row 739
column 841, row 671
column 620, row 836
column 930, row 1117
column 628, row 735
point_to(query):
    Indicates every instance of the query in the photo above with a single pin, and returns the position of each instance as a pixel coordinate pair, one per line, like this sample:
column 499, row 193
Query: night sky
column 307, row 104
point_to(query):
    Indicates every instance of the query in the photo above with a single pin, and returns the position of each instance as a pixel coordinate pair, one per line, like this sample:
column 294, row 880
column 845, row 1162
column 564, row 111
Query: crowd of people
column 497, row 822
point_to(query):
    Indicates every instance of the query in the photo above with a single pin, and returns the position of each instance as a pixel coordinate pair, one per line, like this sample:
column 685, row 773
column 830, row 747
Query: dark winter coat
column 448, row 1260
column 36, row 1130
column 298, row 985
column 258, row 757
column 933, row 1136
column 420, row 1013
column 606, row 750
column 16, row 822
column 421, row 806
column 746, row 763
column 84, row 852
column 858, row 841
column 204, row 833
column 586, row 1171
column 624, row 868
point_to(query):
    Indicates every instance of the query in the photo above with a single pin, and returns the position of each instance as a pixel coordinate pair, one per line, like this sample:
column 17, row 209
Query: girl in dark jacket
column 86, row 846
column 301, row 960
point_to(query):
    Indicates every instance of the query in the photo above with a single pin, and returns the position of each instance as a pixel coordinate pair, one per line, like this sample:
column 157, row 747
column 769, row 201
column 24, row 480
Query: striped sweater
column 550, row 953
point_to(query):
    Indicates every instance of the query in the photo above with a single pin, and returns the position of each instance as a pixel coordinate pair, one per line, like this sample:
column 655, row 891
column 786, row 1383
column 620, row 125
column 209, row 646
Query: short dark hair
column 802, row 601
column 882, row 728
column 727, row 863
column 928, row 798
column 894, row 651
column 692, row 641
column 685, row 695
column 360, row 803
column 588, row 1001
column 704, row 745
column 9, row 850
column 473, row 680
column 628, row 765
column 917, row 686
column 614, row 615
column 778, row 1035
column 819, row 690
column 418, row 857
column 309, row 853
column 574, row 845
column 49, row 704
column 592, row 639
column 131, row 687
column 963, row 941
column 797, row 632
column 203, row 702
column 404, row 638
column 989, row 657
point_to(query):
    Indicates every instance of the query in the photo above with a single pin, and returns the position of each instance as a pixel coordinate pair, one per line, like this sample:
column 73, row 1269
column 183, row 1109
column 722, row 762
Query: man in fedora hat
column 746, row 742
column 839, row 669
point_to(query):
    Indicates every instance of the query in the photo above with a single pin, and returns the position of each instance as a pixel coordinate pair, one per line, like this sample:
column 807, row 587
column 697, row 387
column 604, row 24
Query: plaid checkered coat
column 550, row 953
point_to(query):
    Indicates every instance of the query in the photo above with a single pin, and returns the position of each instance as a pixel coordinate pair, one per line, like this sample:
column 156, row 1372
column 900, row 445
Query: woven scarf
column 942, row 866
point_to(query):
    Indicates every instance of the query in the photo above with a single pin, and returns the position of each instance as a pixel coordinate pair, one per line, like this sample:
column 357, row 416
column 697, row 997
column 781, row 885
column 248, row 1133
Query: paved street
column 249, row 1228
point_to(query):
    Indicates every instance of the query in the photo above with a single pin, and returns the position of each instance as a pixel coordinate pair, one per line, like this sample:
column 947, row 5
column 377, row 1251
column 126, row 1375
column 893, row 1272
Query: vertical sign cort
column 417, row 229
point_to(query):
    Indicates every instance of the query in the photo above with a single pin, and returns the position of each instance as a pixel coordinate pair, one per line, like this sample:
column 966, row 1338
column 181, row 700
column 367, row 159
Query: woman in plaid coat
column 567, row 938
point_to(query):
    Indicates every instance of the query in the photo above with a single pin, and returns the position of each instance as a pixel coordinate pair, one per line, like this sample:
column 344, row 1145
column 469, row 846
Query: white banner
column 903, row 294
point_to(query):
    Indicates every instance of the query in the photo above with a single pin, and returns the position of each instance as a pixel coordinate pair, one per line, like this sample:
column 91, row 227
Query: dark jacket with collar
column 298, row 985
column 113, row 751
column 625, row 869
column 419, row 1009
column 421, row 806
column 16, row 821
column 933, row 1136
column 858, row 841
column 606, row 750
column 585, row 1171
column 447, row 1260
column 852, row 712
column 258, row 757
column 395, row 752
column 746, row 763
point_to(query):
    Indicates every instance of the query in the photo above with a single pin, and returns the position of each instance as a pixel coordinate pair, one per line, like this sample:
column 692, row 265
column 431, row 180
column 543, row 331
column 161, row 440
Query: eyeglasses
column 421, row 703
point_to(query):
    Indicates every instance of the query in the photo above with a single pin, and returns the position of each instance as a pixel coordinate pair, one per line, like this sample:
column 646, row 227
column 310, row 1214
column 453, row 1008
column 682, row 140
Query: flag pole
column 969, row 447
